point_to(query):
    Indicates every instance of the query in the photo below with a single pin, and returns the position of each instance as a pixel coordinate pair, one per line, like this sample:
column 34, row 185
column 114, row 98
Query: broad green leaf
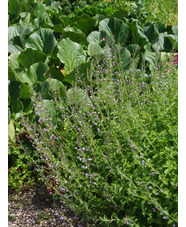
column 75, row 98
column 26, row 18
column 74, row 34
column 94, row 37
column 56, row 85
column 151, row 32
column 37, row 23
column 43, row 89
column 25, row 91
column 55, row 74
column 138, row 37
column 134, row 49
column 149, row 56
column 35, row 73
column 18, row 73
column 11, row 74
column 94, row 49
column 82, row 70
column 42, row 40
column 159, row 45
column 13, row 7
column 14, row 95
column 175, row 30
column 170, row 43
column 86, row 25
column 160, row 27
column 58, row 28
column 51, row 110
column 12, row 60
column 11, row 131
column 108, row 11
column 16, row 44
column 124, row 56
column 115, row 28
column 71, row 54
column 30, row 56
column 27, row 106
column 17, row 30
column 120, row 14
column 71, row 29
column 38, row 9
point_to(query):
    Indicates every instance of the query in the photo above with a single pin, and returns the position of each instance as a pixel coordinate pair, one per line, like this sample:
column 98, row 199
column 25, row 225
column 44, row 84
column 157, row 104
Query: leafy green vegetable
column 71, row 54
column 42, row 40
column 115, row 29
column 30, row 56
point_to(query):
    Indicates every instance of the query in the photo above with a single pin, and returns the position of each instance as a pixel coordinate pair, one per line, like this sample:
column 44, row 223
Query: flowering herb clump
column 109, row 151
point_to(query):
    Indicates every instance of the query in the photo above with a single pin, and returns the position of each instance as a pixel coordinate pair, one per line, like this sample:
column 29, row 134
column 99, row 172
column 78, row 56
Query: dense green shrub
column 109, row 146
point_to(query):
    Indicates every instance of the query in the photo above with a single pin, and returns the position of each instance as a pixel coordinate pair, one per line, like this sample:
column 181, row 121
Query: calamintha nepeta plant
column 111, row 146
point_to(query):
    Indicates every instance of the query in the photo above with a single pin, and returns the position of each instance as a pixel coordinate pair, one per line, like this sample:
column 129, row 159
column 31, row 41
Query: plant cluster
column 109, row 146
column 93, row 109
column 45, row 50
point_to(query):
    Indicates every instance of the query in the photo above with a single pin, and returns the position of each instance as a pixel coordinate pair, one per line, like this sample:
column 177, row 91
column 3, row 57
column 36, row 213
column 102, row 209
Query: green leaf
column 94, row 48
column 75, row 30
column 160, row 27
column 58, row 28
column 51, row 110
column 74, row 95
column 35, row 73
column 149, row 56
column 11, row 74
column 74, row 34
column 115, row 28
column 56, row 85
column 55, row 74
column 25, row 91
column 13, row 7
column 124, row 56
column 175, row 30
column 138, row 37
column 37, row 23
column 71, row 54
column 120, row 14
column 159, row 45
column 134, row 49
column 170, row 43
column 94, row 37
column 12, row 60
column 86, row 25
column 14, row 95
column 25, row 18
column 151, row 32
column 16, row 44
column 38, row 9
column 30, row 56
column 11, row 131
column 42, row 40
column 82, row 70
column 17, row 30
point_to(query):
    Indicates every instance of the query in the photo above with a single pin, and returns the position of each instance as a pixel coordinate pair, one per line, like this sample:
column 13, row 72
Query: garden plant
column 93, row 108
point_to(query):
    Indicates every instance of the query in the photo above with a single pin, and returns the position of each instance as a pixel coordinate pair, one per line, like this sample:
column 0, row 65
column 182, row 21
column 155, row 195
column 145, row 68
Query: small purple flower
column 165, row 217
column 143, row 162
